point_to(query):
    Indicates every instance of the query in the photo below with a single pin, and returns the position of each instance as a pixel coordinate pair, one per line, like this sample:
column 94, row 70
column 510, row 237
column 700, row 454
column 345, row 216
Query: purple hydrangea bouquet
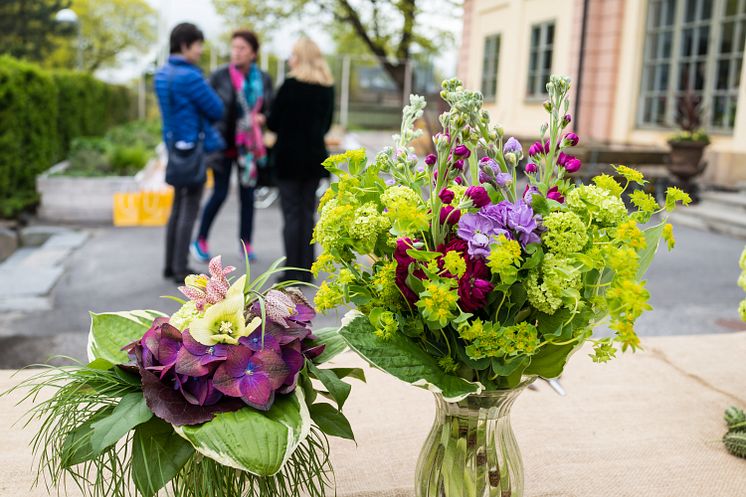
column 216, row 399
column 472, row 280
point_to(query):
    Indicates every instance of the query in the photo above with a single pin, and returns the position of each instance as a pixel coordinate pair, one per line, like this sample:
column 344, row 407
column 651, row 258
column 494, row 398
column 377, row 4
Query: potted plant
column 688, row 145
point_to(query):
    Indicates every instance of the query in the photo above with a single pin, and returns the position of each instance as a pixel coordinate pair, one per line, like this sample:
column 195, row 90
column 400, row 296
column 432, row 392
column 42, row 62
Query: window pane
column 662, row 77
column 739, row 44
column 531, row 84
column 691, row 10
column 669, row 7
column 731, row 7
column 706, row 12
column 647, row 110
column 726, row 37
column 731, row 114
column 660, row 110
column 685, row 81
column 548, row 60
column 533, row 61
column 687, row 42
column 743, row 8
column 535, row 33
column 666, row 44
column 649, row 77
column 703, row 41
column 699, row 76
column 737, row 73
column 721, row 81
column 654, row 14
column 718, row 110
column 550, row 34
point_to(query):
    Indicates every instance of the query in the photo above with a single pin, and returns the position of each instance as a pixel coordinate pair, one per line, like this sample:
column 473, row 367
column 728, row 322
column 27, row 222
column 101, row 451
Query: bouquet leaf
column 158, row 454
column 652, row 239
column 110, row 331
column 250, row 440
column 404, row 359
column 338, row 389
column 131, row 411
column 333, row 342
column 331, row 421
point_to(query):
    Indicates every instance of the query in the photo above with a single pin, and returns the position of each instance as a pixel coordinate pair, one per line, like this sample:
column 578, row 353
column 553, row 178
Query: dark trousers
column 298, row 199
column 184, row 213
column 222, row 177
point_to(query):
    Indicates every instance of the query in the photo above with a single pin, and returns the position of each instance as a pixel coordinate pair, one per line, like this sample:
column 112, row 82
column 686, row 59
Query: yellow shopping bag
column 155, row 207
column 127, row 208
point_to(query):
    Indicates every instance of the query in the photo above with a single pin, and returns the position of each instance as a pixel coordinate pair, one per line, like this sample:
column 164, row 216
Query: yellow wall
column 513, row 19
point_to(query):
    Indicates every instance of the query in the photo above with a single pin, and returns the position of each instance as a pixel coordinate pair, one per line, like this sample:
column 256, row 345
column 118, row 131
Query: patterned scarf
column 249, row 141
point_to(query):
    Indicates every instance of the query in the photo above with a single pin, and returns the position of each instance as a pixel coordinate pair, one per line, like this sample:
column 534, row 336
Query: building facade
column 630, row 61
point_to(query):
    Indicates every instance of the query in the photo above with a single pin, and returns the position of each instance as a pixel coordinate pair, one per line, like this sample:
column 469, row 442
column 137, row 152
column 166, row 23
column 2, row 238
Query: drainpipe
column 581, row 64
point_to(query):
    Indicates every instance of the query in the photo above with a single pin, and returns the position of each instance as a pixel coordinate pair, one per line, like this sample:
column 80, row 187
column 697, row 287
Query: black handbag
column 184, row 167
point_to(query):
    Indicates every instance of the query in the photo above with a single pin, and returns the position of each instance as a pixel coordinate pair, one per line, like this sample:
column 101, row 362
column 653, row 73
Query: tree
column 108, row 28
column 28, row 29
column 387, row 28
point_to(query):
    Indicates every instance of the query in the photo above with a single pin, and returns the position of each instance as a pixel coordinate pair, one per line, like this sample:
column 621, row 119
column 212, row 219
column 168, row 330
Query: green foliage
column 158, row 454
column 735, row 438
column 28, row 29
column 110, row 331
column 40, row 112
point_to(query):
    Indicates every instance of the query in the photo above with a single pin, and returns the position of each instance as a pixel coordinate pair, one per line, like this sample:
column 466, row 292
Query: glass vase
column 471, row 450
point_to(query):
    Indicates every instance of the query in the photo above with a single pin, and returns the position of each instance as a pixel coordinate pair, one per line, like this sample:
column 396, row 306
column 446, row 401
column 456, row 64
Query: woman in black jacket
column 301, row 115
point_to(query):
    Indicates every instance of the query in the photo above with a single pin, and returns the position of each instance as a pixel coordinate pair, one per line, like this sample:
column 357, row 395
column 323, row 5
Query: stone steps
column 719, row 212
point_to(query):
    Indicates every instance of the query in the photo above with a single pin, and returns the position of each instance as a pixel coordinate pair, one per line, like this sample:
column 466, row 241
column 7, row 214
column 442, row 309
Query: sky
column 202, row 13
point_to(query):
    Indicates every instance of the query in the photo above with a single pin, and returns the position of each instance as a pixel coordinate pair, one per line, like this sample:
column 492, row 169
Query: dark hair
column 249, row 37
column 185, row 33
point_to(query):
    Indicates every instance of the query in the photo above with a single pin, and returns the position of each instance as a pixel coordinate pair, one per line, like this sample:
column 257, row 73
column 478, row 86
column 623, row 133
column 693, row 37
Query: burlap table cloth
column 646, row 424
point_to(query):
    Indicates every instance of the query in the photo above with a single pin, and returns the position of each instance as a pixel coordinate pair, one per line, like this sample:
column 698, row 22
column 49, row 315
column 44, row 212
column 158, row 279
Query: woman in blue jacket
column 188, row 105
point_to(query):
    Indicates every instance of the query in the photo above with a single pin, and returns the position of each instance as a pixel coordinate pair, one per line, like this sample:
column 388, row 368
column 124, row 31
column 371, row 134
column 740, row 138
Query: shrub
column 40, row 114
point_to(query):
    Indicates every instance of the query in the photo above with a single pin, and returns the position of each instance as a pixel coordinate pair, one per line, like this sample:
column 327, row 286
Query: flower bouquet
column 215, row 400
column 476, row 281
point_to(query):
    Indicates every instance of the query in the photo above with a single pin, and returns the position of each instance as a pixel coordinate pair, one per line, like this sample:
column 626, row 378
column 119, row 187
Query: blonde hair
column 310, row 65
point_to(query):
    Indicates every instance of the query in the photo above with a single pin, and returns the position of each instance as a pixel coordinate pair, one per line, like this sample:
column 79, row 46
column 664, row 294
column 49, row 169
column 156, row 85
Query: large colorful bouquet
column 473, row 279
column 216, row 399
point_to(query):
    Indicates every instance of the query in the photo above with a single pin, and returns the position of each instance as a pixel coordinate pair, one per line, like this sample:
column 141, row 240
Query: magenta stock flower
column 530, row 168
column 535, row 149
column 450, row 215
column 446, row 196
column 573, row 165
column 458, row 180
column 478, row 195
column 572, row 139
column 459, row 165
column 566, row 119
column 251, row 376
column 430, row 159
column 555, row 195
column 462, row 151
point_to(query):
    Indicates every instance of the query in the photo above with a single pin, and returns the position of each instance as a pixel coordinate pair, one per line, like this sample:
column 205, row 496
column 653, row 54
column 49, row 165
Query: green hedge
column 40, row 113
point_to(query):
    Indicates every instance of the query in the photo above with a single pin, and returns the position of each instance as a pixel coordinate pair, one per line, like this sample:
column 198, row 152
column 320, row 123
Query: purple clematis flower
column 251, row 376
column 194, row 359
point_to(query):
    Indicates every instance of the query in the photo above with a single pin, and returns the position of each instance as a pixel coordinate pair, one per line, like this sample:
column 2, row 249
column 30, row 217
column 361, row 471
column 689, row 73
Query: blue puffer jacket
column 191, row 106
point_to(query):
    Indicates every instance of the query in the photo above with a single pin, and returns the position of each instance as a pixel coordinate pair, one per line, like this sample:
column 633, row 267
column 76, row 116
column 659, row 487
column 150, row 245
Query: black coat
column 301, row 114
column 221, row 82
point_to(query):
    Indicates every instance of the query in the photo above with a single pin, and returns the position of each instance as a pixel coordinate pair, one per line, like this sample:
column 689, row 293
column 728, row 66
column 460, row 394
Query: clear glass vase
column 471, row 450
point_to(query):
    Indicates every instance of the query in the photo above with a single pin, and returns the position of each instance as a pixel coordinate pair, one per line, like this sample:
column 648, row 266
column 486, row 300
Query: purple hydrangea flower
column 194, row 359
column 252, row 376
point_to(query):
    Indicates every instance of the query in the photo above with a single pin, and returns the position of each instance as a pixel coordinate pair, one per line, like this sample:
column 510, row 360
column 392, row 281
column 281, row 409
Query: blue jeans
column 222, row 177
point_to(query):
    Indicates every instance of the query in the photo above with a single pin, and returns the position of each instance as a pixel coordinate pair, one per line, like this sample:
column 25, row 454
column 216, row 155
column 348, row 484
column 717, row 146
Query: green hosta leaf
column 338, row 389
column 331, row 421
column 130, row 412
column 403, row 358
column 550, row 360
column 110, row 331
column 652, row 239
column 77, row 446
column 252, row 440
column 334, row 342
column 158, row 454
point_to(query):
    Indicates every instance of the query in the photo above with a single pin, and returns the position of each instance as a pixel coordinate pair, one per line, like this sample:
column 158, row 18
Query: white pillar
column 344, row 97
